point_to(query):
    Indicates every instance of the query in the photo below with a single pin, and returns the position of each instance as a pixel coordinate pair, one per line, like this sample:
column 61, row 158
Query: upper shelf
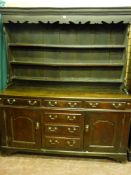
column 122, row 46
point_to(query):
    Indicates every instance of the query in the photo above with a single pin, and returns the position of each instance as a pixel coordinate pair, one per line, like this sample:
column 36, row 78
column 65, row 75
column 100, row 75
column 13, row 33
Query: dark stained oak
column 68, row 89
column 23, row 128
column 103, row 131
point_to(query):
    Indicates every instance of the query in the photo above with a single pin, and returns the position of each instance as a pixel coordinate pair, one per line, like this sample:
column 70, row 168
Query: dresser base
column 92, row 126
column 129, row 155
column 119, row 157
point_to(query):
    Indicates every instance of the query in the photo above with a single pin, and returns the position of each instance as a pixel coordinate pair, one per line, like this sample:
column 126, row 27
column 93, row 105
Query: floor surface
column 24, row 164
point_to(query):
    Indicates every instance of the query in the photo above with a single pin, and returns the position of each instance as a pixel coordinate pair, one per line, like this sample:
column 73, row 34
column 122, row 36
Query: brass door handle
column 37, row 125
column 86, row 128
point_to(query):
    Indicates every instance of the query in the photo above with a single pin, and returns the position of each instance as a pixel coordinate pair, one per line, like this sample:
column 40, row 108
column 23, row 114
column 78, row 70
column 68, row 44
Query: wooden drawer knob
column 11, row 101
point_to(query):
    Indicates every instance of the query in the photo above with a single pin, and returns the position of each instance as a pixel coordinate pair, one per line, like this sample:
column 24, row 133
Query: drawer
column 62, row 117
column 62, row 130
column 128, row 105
column 105, row 105
column 62, row 103
column 22, row 102
column 62, row 143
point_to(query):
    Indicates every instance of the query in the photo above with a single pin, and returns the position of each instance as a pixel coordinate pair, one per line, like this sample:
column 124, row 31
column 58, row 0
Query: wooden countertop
column 64, row 92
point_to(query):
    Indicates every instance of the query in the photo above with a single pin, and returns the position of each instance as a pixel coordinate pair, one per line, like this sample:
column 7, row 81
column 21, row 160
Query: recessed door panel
column 103, row 131
column 23, row 127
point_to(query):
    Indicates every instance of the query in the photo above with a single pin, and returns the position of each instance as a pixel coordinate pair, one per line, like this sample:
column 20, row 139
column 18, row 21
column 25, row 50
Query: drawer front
column 105, row 105
column 62, row 130
column 65, row 118
column 128, row 105
column 23, row 102
column 62, row 103
column 62, row 143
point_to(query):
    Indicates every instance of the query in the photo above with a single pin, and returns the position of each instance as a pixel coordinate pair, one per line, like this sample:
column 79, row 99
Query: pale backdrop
column 68, row 3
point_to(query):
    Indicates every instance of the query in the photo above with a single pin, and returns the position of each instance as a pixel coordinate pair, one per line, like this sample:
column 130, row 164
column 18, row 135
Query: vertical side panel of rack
column 3, row 57
column 128, row 67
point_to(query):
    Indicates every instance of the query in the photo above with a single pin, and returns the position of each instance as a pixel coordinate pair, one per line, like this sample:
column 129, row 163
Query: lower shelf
column 69, row 79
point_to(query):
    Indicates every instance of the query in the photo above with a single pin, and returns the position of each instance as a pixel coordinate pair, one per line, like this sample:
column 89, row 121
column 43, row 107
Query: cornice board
column 90, row 10
column 67, row 19
column 67, row 15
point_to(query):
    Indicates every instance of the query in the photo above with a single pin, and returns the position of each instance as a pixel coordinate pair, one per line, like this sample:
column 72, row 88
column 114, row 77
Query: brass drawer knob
column 71, row 129
column 72, row 104
column 52, row 103
column 71, row 118
column 53, row 142
column 52, row 128
column 11, row 101
column 116, row 105
column 93, row 104
column 32, row 102
column 53, row 117
column 71, row 143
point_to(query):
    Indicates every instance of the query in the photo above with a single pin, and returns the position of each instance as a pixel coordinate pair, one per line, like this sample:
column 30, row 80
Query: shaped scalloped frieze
column 67, row 19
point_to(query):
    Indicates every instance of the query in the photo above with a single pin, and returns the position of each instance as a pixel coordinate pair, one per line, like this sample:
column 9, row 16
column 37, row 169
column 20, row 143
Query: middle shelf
column 71, row 64
column 121, row 46
column 67, row 56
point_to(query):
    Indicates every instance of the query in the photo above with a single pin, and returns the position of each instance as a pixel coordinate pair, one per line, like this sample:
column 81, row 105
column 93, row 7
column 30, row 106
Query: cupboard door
column 23, row 128
column 104, row 131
